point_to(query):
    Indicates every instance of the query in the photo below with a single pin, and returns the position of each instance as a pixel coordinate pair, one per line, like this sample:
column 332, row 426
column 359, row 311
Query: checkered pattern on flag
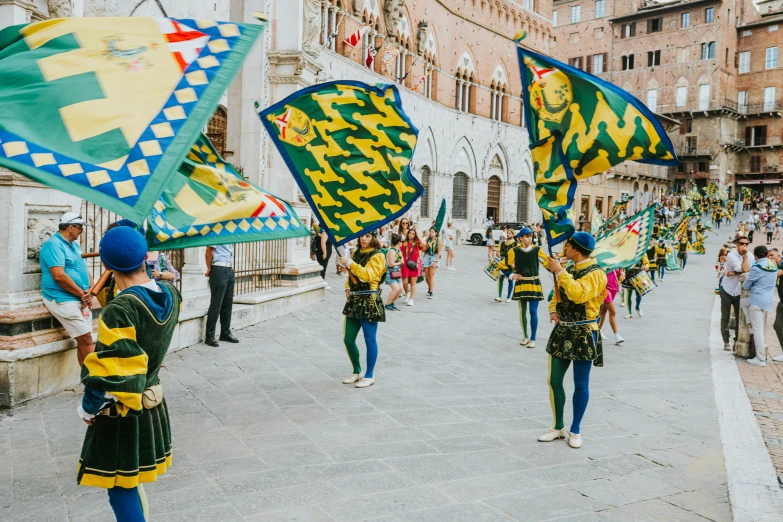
column 625, row 245
column 117, row 101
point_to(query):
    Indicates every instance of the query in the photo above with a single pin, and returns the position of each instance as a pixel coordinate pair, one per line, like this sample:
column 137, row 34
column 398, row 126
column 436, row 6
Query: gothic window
column 523, row 195
column 426, row 183
column 217, row 130
column 460, row 196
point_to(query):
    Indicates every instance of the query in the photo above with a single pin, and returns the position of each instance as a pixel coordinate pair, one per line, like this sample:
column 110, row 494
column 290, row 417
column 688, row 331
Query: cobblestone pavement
column 264, row 429
column 765, row 386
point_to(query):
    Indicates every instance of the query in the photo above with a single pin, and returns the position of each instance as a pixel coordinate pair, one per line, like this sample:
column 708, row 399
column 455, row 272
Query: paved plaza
column 265, row 431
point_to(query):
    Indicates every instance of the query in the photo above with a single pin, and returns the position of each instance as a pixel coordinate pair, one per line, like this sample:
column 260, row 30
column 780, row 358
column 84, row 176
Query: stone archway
column 493, row 198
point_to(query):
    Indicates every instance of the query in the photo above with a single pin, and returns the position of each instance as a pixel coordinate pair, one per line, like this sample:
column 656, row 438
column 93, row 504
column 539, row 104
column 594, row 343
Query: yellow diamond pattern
column 270, row 223
column 257, row 224
column 39, row 160
column 71, row 169
column 125, row 189
column 218, row 46
column 159, row 206
column 139, row 168
column 228, row 30
column 283, row 223
column 244, row 225
column 162, row 236
column 162, row 130
column 231, row 226
column 204, row 231
column 177, row 234
column 217, row 229
column 191, row 232
column 205, row 24
column 174, row 113
column 186, row 95
column 150, row 148
column 159, row 221
column 197, row 78
column 15, row 148
column 208, row 62
column 99, row 177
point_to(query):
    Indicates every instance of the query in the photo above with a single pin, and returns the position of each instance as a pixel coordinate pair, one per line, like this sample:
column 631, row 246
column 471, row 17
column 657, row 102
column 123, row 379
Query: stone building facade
column 711, row 65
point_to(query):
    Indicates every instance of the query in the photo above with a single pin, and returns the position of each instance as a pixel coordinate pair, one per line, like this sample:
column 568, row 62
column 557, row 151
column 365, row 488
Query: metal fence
column 258, row 265
column 98, row 220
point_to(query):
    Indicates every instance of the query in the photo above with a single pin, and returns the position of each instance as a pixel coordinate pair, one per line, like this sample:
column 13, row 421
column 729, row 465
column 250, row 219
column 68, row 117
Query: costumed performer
column 128, row 441
column 364, row 307
column 682, row 250
column 582, row 288
column 628, row 289
column 523, row 260
column 661, row 251
column 507, row 244
column 652, row 267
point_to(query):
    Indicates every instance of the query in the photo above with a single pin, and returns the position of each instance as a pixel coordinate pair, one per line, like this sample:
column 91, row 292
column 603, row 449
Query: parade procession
column 261, row 258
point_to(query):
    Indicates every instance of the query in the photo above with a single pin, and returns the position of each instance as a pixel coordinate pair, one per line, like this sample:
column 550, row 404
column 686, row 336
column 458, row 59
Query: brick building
column 710, row 64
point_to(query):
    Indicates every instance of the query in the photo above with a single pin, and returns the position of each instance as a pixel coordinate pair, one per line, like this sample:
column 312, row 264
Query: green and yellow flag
column 209, row 203
column 441, row 215
column 349, row 146
column 107, row 108
column 596, row 222
column 617, row 208
column 625, row 245
column 581, row 126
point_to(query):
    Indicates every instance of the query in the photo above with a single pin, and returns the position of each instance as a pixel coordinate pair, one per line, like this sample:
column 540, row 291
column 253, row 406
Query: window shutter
column 748, row 132
column 649, row 26
column 633, row 29
column 762, row 131
column 605, row 62
column 588, row 63
column 682, row 127
column 630, row 61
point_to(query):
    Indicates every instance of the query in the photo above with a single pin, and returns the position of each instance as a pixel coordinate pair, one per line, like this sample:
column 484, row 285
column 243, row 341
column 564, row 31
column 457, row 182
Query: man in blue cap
column 524, row 260
column 128, row 440
column 575, row 338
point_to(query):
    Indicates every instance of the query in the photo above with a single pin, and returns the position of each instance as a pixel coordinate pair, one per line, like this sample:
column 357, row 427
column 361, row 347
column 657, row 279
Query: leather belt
column 221, row 263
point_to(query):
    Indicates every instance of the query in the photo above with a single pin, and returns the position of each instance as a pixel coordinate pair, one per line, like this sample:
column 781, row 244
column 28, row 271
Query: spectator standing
column 448, row 244
column 770, row 226
column 66, row 282
column 761, row 282
column 220, row 262
column 323, row 251
column 737, row 262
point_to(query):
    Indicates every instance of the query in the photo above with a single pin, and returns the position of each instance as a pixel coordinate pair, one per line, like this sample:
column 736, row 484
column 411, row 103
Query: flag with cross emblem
column 107, row 108
column 624, row 245
column 579, row 126
column 349, row 146
column 209, row 203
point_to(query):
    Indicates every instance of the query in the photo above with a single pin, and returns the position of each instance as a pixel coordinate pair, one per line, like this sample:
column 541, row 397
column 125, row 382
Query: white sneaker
column 508, row 300
column 778, row 358
column 410, row 302
column 618, row 339
column 355, row 377
column 757, row 362
column 365, row 383
column 499, row 299
column 552, row 434
column 639, row 313
column 629, row 316
column 531, row 344
column 575, row 440
column 327, row 287
column 524, row 341
column 727, row 347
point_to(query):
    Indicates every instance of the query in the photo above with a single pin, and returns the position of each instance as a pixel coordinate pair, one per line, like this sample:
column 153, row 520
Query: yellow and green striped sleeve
column 118, row 365
column 372, row 272
column 542, row 257
column 507, row 263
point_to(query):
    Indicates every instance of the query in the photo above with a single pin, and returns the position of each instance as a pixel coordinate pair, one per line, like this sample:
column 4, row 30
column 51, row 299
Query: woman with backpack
column 394, row 272
column 431, row 259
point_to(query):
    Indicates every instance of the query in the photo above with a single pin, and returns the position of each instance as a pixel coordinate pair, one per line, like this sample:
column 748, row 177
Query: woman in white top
column 448, row 244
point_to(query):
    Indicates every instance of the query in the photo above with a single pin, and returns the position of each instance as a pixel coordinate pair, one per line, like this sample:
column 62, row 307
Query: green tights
column 557, row 398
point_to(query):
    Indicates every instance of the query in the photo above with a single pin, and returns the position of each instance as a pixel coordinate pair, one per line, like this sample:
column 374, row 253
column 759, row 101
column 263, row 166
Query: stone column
column 459, row 94
column 15, row 12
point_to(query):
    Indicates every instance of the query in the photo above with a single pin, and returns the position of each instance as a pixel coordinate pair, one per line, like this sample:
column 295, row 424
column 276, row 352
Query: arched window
column 523, row 195
column 459, row 196
column 426, row 181
column 493, row 198
column 216, row 130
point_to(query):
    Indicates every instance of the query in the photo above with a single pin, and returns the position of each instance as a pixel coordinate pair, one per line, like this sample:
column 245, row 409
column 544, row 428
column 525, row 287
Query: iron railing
column 98, row 220
column 258, row 265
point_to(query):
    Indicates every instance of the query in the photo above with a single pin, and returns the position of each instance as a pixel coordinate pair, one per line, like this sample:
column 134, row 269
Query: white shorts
column 69, row 313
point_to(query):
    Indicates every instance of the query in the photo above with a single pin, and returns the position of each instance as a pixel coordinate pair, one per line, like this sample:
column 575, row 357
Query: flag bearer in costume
column 652, row 266
column 364, row 308
column 523, row 260
column 507, row 244
column 661, row 251
column 682, row 250
column 629, row 291
column 582, row 288
column 128, row 441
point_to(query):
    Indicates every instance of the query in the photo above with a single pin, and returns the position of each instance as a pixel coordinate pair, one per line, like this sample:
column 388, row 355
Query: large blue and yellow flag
column 107, row 108
column 349, row 146
column 625, row 245
column 208, row 203
column 581, row 126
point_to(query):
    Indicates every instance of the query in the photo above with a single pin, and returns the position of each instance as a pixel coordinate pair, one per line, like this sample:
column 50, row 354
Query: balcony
column 770, row 108
column 727, row 106
column 763, row 141
column 694, row 152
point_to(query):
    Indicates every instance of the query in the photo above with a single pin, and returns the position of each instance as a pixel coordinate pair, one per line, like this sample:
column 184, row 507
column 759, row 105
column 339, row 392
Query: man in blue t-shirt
column 66, row 282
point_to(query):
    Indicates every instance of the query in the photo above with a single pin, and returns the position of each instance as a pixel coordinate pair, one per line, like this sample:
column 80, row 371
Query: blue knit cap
column 524, row 232
column 583, row 242
column 123, row 249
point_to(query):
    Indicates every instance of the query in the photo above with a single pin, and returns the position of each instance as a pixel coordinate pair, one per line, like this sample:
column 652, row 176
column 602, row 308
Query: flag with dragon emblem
column 349, row 146
column 107, row 108
column 581, row 126
column 209, row 203
column 625, row 245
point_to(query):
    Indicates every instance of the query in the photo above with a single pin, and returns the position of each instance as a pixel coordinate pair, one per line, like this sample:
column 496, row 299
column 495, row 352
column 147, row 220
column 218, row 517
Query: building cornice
column 761, row 23
column 666, row 8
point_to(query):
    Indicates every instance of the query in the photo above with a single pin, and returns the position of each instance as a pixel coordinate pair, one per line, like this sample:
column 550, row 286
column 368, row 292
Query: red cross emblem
column 282, row 122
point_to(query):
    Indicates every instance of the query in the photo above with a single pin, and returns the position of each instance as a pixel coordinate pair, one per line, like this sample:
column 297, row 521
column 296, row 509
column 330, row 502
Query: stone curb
column 754, row 493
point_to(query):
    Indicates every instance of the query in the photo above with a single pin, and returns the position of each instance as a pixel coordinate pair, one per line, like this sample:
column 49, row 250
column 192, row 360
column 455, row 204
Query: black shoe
column 229, row 338
column 210, row 341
